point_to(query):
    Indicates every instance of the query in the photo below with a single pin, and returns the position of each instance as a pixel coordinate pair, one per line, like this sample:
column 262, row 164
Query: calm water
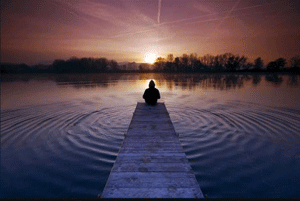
column 60, row 134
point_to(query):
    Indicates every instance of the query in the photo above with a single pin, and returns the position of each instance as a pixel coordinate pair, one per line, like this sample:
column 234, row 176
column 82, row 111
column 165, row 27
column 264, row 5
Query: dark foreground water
column 60, row 134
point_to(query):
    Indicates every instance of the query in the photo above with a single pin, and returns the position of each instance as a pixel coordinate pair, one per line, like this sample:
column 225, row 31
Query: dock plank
column 151, row 162
column 170, row 192
column 151, row 180
column 151, row 167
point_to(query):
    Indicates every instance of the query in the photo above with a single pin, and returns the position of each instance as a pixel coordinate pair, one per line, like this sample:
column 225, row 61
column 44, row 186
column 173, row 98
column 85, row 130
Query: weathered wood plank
column 151, row 126
column 133, row 166
column 151, row 162
column 151, row 145
column 152, row 158
column 151, row 180
column 169, row 192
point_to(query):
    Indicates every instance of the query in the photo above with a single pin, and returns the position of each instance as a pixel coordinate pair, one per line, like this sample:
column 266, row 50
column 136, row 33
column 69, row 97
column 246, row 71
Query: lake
column 60, row 134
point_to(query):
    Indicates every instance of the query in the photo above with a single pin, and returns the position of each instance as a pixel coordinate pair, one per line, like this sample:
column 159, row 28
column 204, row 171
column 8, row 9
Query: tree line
column 227, row 62
column 72, row 65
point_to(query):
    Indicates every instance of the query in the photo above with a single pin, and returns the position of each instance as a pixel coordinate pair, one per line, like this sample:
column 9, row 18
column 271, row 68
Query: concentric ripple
column 240, row 149
column 67, row 149
column 59, row 146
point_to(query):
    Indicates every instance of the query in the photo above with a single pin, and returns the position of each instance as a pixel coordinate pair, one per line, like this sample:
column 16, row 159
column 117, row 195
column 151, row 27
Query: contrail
column 159, row 9
column 222, row 20
column 185, row 20
column 223, row 12
column 232, row 9
column 69, row 9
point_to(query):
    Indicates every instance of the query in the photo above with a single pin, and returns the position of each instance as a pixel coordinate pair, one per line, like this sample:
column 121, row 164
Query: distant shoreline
column 284, row 71
column 224, row 63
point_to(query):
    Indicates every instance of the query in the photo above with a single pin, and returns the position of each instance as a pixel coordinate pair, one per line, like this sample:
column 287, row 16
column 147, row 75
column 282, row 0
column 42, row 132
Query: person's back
column 151, row 94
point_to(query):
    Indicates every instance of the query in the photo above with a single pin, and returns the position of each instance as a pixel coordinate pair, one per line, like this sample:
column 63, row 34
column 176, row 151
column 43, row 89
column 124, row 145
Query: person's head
column 151, row 84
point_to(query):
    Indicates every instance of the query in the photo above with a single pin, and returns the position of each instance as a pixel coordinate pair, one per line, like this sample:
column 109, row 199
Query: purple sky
column 126, row 30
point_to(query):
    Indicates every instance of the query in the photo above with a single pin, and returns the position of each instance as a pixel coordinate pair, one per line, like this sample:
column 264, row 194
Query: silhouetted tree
column 101, row 64
column 184, row 63
column 159, row 64
column 84, row 65
column 258, row 63
column 281, row 62
column 207, row 60
column 177, row 63
column 271, row 66
column 276, row 65
column 15, row 68
column 194, row 63
column 141, row 68
column 197, row 65
column 58, row 65
column 248, row 66
column 168, row 67
column 218, row 62
column 235, row 63
column 170, row 58
column 114, row 66
column 295, row 64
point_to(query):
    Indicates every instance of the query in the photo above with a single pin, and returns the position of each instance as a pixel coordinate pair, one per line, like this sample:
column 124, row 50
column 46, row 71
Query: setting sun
column 150, row 58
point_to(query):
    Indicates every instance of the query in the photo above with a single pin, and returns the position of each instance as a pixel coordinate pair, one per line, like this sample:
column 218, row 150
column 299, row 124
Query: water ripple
column 237, row 142
column 58, row 144
column 72, row 145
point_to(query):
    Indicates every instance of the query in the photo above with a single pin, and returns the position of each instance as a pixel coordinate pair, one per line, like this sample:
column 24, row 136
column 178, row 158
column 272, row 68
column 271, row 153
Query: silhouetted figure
column 151, row 94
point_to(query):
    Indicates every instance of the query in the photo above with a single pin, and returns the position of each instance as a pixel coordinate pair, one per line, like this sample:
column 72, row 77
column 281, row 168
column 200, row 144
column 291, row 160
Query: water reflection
column 274, row 78
column 49, row 125
column 171, row 81
column 293, row 80
column 256, row 79
column 216, row 81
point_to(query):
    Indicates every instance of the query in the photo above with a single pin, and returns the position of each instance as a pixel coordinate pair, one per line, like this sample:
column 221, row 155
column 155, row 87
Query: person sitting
column 151, row 94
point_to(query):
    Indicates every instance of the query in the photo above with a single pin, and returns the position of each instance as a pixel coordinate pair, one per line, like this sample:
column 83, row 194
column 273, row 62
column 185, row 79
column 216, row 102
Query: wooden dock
column 151, row 162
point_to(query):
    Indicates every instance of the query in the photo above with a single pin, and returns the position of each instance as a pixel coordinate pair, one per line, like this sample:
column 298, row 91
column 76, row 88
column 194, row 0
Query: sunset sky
column 40, row 31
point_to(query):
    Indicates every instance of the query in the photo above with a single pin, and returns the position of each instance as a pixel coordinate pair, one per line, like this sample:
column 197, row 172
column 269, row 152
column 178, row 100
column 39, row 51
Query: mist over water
column 60, row 134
